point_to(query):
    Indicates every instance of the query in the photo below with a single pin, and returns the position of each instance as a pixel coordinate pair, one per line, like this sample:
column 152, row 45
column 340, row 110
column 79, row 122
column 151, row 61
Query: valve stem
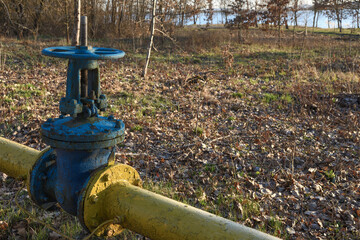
column 83, row 31
column 84, row 42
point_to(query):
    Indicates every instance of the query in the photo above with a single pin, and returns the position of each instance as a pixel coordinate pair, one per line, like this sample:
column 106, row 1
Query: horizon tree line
column 131, row 18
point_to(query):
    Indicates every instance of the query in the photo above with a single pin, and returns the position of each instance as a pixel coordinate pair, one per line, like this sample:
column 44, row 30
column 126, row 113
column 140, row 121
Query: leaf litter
column 288, row 166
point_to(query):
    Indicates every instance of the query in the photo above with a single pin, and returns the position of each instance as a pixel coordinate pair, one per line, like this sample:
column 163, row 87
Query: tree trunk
column 76, row 31
column 92, row 18
column 240, row 38
column 279, row 28
column 279, row 33
column 113, row 13
column 338, row 16
column 38, row 13
column 314, row 20
column 121, row 16
column 317, row 18
column 256, row 16
column 183, row 13
column 137, row 11
column 151, row 39
column 85, row 8
column 67, row 22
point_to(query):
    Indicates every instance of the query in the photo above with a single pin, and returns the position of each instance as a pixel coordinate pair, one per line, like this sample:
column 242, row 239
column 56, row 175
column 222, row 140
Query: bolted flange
column 83, row 134
column 90, row 210
column 41, row 179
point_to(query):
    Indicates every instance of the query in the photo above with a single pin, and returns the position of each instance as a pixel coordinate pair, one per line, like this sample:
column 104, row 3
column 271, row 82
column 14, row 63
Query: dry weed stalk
column 2, row 59
column 228, row 57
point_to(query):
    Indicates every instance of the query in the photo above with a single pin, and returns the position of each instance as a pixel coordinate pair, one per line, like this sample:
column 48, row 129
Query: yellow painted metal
column 16, row 160
column 93, row 208
column 109, row 196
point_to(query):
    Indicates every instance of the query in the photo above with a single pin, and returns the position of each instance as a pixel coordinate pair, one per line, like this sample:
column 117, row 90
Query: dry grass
column 271, row 141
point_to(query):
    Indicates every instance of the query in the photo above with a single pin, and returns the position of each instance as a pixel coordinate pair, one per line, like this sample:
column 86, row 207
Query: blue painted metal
column 83, row 98
column 83, row 52
column 73, row 170
column 83, row 133
column 82, row 142
column 42, row 179
column 62, row 180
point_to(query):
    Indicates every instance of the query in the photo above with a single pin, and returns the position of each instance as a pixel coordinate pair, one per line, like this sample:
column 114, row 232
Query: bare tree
column 153, row 18
column 209, row 12
column 295, row 8
column 337, row 10
column 76, row 30
column 315, row 8
column 66, row 11
column 355, row 11
column 224, row 8
column 276, row 14
column 245, row 17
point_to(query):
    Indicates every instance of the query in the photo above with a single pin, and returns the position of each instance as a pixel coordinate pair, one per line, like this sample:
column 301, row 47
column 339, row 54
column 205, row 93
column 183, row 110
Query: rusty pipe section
column 114, row 193
column 16, row 160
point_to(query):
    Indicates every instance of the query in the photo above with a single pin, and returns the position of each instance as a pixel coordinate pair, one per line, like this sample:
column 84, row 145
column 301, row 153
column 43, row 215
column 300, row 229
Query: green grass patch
column 270, row 97
column 136, row 128
column 287, row 99
column 198, row 131
column 237, row 95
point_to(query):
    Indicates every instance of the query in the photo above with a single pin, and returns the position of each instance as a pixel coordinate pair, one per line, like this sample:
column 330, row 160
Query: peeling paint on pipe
column 16, row 160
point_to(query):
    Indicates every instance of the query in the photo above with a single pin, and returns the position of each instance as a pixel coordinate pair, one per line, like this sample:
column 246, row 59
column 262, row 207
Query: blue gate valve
column 81, row 141
column 83, row 95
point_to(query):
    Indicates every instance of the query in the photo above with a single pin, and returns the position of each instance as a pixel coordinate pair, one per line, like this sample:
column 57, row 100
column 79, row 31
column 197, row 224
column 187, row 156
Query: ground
column 262, row 133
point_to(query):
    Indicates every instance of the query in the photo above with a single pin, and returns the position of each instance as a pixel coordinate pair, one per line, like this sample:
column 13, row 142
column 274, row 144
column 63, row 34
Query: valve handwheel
column 83, row 52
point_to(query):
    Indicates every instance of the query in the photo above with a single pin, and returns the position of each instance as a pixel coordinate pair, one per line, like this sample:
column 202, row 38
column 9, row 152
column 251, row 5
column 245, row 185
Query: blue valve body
column 63, row 180
column 82, row 142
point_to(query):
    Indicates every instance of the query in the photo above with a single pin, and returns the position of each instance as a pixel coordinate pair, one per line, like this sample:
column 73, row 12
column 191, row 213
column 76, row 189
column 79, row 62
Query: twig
column 11, row 22
column 197, row 114
column 220, row 138
column 131, row 154
column 169, row 37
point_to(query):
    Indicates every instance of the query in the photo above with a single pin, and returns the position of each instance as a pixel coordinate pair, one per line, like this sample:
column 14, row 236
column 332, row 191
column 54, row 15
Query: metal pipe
column 16, row 160
column 158, row 217
column 112, row 193
column 84, row 31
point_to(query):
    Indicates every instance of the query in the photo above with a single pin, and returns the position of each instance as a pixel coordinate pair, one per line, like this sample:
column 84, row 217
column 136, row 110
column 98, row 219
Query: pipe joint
column 42, row 179
column 91, row 210
column 59, row 176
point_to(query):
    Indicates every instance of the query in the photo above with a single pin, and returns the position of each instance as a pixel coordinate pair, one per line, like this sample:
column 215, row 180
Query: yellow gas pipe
column 16, row 160
column 114, row 193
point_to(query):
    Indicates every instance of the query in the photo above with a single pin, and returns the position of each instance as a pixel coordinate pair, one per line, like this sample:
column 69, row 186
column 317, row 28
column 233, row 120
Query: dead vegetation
column 263, row 135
